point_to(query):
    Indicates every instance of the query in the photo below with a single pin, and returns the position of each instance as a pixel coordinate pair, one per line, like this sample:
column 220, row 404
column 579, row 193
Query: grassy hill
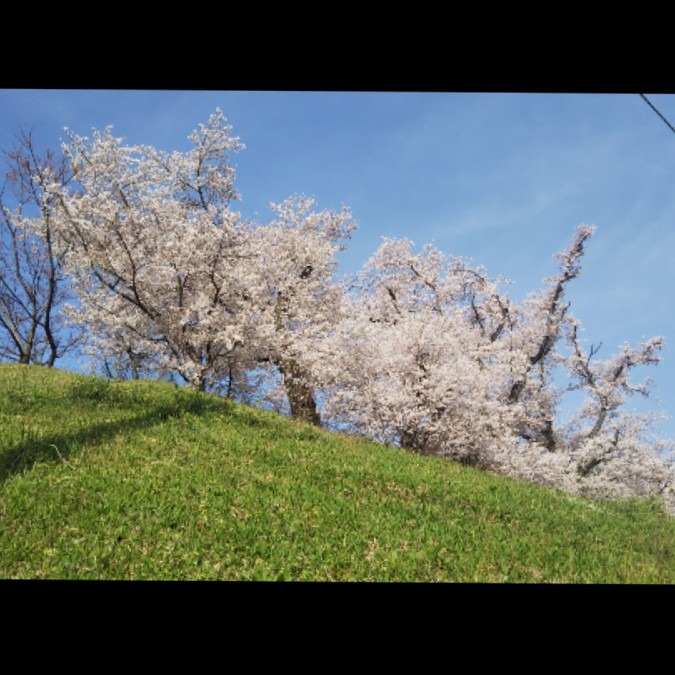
column 145, row 480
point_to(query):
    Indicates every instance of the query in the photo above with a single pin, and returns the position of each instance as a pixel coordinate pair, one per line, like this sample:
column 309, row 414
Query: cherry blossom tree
column 171, row 280
column 614, row 447
column 432, row 356
column 603, row 450
column 154, row 249
column 421, row 357
column 543, row 317
column 297, row 303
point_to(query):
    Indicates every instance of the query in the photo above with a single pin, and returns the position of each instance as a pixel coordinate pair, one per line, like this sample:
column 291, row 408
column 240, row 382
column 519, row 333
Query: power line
column 653, row 107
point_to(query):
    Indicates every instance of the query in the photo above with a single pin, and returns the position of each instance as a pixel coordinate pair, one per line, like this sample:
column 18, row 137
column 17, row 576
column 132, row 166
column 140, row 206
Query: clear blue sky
column 503, row 179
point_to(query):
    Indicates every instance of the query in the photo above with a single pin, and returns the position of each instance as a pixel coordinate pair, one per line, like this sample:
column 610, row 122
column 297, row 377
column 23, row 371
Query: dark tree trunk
column 300, row 393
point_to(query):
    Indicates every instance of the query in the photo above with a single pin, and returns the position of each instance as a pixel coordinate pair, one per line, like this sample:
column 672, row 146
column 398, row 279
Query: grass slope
column 144, row 480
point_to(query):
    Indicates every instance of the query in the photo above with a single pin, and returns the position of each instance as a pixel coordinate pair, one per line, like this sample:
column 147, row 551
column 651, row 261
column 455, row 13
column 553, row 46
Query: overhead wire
column 655, row 109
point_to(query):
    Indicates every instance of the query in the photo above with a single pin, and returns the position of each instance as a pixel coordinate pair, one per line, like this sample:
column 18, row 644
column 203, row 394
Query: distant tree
column 434, row 357
column 602, row 450
column 33, row 285
column 420, row 358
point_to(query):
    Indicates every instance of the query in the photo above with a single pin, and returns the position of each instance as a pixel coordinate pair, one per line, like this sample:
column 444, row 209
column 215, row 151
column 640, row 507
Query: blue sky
column 503, row 179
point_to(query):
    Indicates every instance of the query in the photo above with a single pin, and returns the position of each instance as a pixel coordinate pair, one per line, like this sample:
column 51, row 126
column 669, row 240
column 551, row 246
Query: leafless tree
column 32, row 280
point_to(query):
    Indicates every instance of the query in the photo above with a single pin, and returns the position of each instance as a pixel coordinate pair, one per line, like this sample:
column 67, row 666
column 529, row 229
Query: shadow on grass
column 59, row 447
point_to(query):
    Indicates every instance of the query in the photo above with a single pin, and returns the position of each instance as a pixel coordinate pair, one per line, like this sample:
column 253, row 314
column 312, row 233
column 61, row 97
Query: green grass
column 144, row 480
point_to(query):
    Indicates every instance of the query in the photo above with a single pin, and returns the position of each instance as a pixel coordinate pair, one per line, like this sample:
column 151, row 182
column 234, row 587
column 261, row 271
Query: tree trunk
column 300, row 393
